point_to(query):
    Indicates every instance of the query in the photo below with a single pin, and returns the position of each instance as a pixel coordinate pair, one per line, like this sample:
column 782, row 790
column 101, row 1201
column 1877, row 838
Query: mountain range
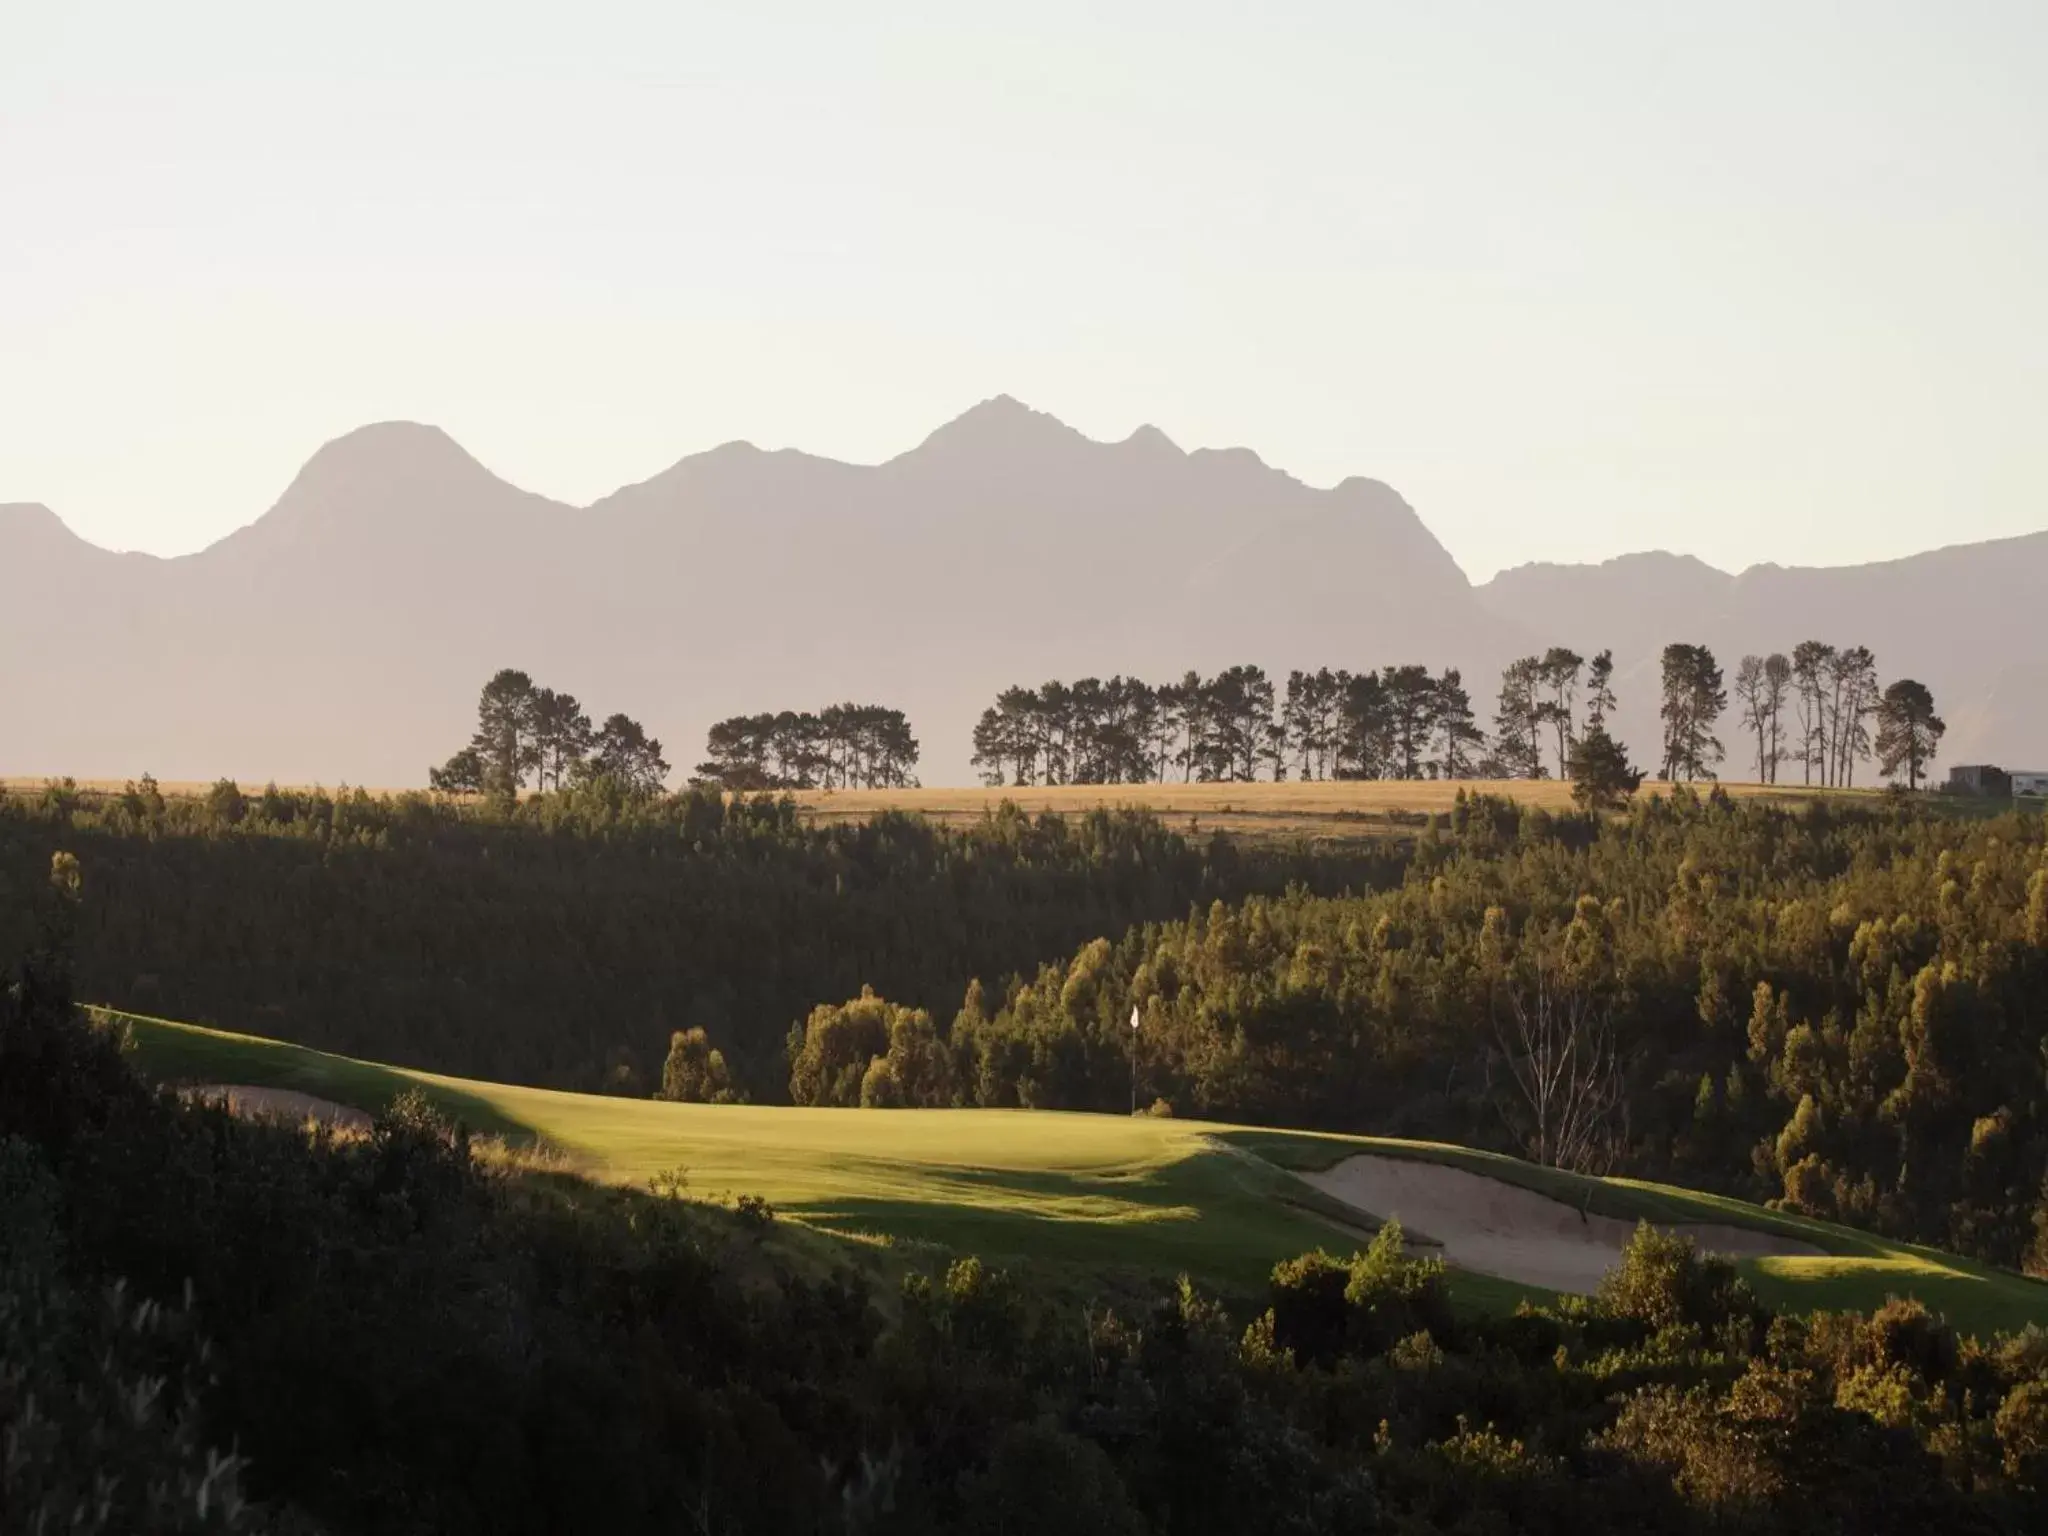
column 343, row 635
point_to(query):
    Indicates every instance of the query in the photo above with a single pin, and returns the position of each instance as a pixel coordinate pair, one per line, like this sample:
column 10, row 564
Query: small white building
column 2025, row 782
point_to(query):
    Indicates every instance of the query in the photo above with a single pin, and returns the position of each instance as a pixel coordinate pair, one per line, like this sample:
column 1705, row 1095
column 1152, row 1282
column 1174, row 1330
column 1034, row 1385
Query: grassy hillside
column 1093, row 1193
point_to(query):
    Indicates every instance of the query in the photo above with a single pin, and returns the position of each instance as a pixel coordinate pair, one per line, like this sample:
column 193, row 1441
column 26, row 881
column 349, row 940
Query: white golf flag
column 1134, row 1016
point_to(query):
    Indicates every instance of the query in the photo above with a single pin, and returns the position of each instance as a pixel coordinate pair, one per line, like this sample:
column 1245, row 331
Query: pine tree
column 462, row 774
column 1560, row 672
column 1777, row 679
column 1811, row 662
column 1854, row 699
column 504, row 743
column 625, row 754
column 1602, row 775
column 1693, row 701
column 1600, row 701
column 1518, row 717
column 1363, row 730
column 1752, row 696
column 1908, row 730
column 562, row 736
column 1411, row 697
column 1457, row 736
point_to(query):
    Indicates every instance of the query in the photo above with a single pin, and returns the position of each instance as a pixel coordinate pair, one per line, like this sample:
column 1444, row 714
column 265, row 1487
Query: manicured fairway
column 1094, row 1192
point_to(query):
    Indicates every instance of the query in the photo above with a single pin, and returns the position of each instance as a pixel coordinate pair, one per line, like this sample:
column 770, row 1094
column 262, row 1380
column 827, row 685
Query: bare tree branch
column 1557, row 1042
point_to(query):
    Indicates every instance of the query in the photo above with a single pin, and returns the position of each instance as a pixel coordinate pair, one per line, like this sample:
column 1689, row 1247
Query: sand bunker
column 279, row 1104
column 1516, row 1234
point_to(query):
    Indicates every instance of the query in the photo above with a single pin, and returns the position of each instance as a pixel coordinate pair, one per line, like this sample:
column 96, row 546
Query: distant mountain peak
column 388, row 475
column 1001, row 424
column 404, row 450
column 383, row 462
column 1151, row 440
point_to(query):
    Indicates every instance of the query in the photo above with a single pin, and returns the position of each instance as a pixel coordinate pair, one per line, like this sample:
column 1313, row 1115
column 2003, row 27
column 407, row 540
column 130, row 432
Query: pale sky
column 1757, row 281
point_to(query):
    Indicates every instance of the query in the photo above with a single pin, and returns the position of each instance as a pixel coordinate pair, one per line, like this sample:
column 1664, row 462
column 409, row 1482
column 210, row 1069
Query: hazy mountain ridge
column 343, row 634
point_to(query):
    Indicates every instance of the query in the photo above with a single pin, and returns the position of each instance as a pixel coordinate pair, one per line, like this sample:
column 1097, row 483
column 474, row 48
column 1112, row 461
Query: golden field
column 1346, row 808
column 1328, row 809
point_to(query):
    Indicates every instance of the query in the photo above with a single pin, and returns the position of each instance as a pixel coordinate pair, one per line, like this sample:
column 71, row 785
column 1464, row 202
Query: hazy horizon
column 1757, row 286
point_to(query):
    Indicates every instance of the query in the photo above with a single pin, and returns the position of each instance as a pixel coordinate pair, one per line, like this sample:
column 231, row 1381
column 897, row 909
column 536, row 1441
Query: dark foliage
column 1840, row 1010
column 566, row 938
column 393, row 1339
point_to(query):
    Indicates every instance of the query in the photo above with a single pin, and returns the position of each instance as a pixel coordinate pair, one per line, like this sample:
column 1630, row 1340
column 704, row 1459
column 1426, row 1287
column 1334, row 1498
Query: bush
column 1663, row 1282
column 1323, row 1308
column 695, row 1071
column 225, row 803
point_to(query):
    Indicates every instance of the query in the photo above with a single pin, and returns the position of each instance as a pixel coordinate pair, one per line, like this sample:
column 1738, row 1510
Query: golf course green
column 1080, row 1193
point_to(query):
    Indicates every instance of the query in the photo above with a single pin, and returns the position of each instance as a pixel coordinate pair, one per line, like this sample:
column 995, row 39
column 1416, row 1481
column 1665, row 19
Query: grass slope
column 1082, row 1194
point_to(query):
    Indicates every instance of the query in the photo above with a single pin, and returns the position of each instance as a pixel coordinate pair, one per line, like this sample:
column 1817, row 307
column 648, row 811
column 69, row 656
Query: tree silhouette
column 1560, row 669
column 1411, row 696
column 848, row 746
column 1908, row 730
column 505, row 748
column 625, row 754
column 1852, row 676
column 562, row 736
column 1600, row 701
column 1693, row 701
column 1602, row 775
column 1517, row 718
column 1811, row 662
column 1458, row 737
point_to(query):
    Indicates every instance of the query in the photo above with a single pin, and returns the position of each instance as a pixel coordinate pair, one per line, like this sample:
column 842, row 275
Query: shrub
column 695, row 1071
column 226, row 804
column 1664, row 1282
column 1323, row 1307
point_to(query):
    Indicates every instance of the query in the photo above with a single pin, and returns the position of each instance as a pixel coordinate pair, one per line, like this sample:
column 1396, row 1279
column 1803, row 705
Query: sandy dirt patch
column 1496, row 1229
column 279, row 1104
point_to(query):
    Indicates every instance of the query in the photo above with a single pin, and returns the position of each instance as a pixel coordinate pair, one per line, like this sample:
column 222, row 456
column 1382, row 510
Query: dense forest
column 212, row 1325
column 1403, row 722
column 562, row 939
column 1843, row 1010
